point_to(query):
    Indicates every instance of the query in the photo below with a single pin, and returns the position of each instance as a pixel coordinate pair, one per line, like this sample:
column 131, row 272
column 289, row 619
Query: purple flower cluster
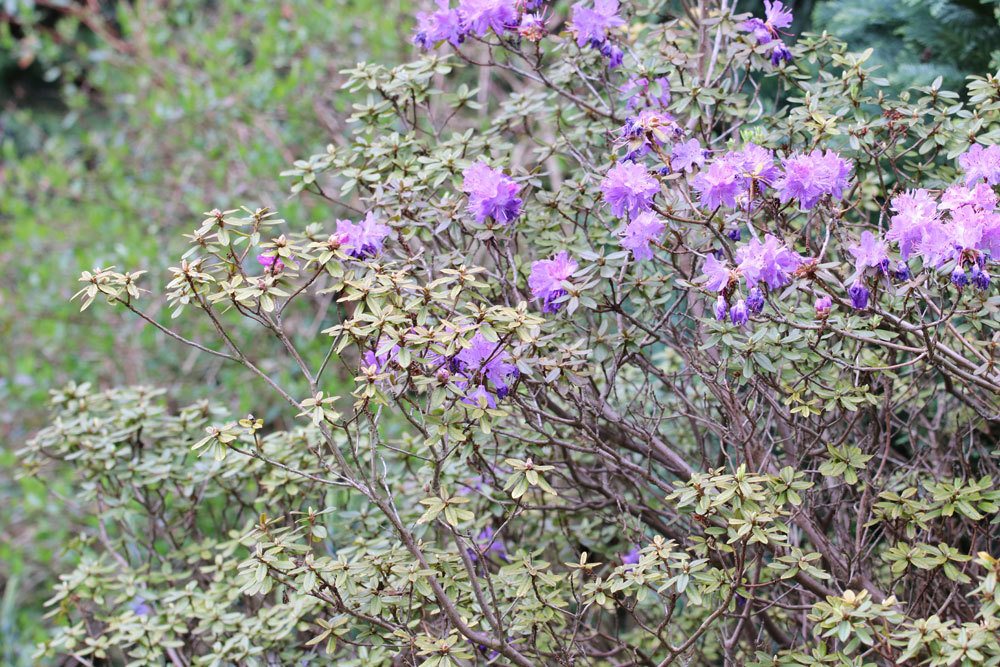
column 771, row 263
column 486, row 371
column 362, row 240
column 767, row 30
column 687, row 155
column 591, row 24
column 737, row 178
column 629, row 188
column 476, row 17
column 492, row 194
column 271, row 262
column 964, row 228
column 650, row 128
column 547, row 277
column 981, row 164
column 809, row 176
column 638, row 234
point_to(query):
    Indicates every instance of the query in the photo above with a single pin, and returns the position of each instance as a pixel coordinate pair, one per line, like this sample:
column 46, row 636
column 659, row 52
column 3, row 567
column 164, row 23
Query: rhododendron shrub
column 672, row 341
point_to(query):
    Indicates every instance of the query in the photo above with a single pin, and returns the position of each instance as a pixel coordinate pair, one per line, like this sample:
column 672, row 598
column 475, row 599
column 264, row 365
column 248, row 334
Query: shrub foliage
column 672, row 342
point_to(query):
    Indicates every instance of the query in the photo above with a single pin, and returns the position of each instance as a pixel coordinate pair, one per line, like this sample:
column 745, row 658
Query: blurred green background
column 121, row 122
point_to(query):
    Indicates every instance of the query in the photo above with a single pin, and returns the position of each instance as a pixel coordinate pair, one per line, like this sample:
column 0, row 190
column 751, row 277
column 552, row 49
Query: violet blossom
column 981, row 163
column 859, row 295
column 362, row 240
column 870, row 252
column 809, row 176
column 824, row 305
column 481, row 16
column 443, row 24
column 687, row 155
column 718, row 273
column 547, row 277
column 644, row 229
column 492, row 194
column 770, row 262
column 629, row 188
column 591, row 24
column 638, row 92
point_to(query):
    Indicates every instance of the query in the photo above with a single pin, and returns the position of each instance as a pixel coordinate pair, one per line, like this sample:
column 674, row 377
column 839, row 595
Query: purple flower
column 139, row 607
column 824, row 305
column 719, row 185
column 959, row 277
column 913, row 212
column 687, row 155
column 980, row 196
column 480, row 16
column 633, row 556
column 902, row 272
column 780, row 53
column 546, row 280
column 532, row 27
column 614, row 55
column 981, row 163
column 591, row 24
column 719, row 275
column 650, row 128
column 738, row 313
column 870, row 253
column 488, row 543
column 640, row 232
column 859, row 295
column 809, row 176
column 770, row 262
column 271, row 263
column 638, row 92
column 628, row 187
column 755, row 164
column 721, row 309
column 776, row 17
column 755, row 301
column 444, row 24
column 384, row 352
column 734, row 234
column 980, row 278
column 485, row 361
column 492, row 194
column 364, row 239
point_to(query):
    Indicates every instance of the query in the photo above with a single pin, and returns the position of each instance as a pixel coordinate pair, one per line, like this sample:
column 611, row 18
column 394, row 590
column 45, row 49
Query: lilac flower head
column 481, row 16
column 738, row 313
column 902, row 272
column 824, row 305
column 687, row 155
column 614, row 55
column 980, row 196
column 633, row 556
column 721, row 309
column 492, row 194
column 532, row 27
column 755, row 164
column 980, row 278
column 770, row 262
column 485, row 361
column 776, row 17
column 385, row 351
column 719, row 275
column 719, row 185
column 271, row 262
column 755, row 301
column 870, row 252
column 959, row 277
column 364, row 239
column 780, row 53
column 981, row 163
column 859, row 295
column 591, row 24
column 444, row 24
column 628, row 187
column 650, row 128
column 640, row 232
column 546, row 280
column 913, row 211
column 809, row 176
